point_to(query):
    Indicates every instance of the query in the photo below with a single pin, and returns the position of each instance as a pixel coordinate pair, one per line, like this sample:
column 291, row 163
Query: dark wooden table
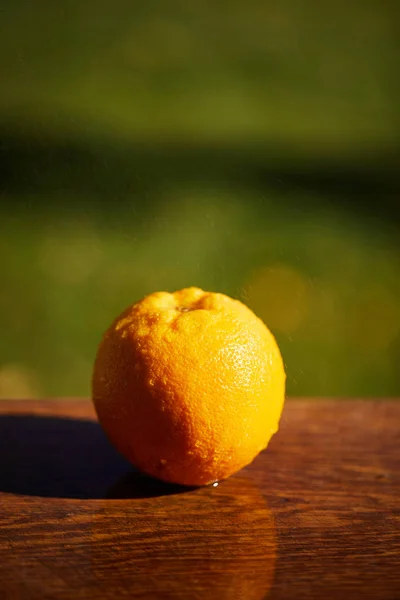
column 317, row 515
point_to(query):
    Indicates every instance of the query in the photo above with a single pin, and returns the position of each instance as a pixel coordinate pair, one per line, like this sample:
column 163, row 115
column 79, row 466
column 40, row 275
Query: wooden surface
column 317, row 515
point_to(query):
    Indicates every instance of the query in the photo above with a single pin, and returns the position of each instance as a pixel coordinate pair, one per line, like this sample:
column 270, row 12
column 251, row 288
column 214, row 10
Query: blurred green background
column 245, row 147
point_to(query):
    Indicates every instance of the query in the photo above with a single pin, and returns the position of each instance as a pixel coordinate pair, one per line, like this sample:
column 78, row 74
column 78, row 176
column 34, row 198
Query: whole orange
column 189, row 386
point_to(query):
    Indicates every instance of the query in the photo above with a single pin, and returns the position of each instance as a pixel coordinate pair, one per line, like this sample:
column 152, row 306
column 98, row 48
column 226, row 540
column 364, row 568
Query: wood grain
column 317, row 515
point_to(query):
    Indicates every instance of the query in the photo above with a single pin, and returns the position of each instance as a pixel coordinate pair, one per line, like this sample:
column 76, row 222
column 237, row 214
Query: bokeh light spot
column 17, row 381
column 280, row 295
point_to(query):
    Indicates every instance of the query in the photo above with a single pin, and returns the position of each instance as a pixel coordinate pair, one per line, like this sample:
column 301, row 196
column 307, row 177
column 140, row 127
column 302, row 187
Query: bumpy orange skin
column 189, row 386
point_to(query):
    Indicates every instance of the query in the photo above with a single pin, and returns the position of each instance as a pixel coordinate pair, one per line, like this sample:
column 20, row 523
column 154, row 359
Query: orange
column 189, row 386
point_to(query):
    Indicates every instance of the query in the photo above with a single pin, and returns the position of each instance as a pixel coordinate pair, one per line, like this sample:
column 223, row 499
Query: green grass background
column 245, row 147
